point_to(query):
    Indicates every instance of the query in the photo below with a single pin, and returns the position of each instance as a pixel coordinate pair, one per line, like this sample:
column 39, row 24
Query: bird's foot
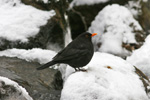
column 78, row 69
column 83, row 70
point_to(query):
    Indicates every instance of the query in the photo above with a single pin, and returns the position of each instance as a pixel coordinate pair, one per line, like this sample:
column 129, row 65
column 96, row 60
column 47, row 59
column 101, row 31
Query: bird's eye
column 86, row 36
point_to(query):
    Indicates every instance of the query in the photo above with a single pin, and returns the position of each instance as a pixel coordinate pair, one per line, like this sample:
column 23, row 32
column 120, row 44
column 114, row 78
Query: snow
column 107, row 78
column 145, row 0
column 141, row 57
column 45, row 1
column 35, row 54
column 86, row 2
column 135, row 7
column 68, row 32
column 18, row 22
column 113, row 25
column 19, row 88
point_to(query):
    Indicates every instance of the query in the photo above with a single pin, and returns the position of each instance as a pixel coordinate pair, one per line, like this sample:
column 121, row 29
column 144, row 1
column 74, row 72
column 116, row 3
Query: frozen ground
column 19, row 21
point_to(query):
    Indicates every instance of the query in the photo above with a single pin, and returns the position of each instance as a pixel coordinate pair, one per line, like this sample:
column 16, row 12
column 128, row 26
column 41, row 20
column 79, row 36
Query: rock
column 141, row 11
column 49, row 34
column 41, row 85
column 144, row 79
column 92, row 10
column 40, row 33
column 10, row 90
column 144, row 18
column 39, row 4
column 118, row 30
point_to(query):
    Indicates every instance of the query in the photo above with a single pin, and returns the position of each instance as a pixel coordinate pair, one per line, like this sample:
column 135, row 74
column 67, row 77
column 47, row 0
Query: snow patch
column 45, row 1
column 35, row 54
column 108, row 78
column 86, row 2
column 145, row 0
column 141, row 57
column 19, row 21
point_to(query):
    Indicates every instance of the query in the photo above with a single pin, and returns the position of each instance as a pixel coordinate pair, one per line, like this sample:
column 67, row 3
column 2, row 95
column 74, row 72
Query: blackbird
column 77, row 54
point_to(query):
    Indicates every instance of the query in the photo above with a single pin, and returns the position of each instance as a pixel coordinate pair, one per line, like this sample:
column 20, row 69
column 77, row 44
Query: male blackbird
column 77, row 54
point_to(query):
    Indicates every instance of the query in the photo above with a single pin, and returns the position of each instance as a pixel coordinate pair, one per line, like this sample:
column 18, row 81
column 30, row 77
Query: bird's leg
column 75, row 69
column 84, row 70
column 79, row 69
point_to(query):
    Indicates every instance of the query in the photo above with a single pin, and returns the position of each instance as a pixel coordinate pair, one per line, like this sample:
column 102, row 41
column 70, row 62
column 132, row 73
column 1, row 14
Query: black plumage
column 77, row 54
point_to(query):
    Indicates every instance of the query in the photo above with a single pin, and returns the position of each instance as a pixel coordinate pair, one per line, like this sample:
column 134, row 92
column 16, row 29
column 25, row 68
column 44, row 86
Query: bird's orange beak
column 93, row 34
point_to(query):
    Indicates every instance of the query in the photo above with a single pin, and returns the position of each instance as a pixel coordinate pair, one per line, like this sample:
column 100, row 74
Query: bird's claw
column 83, row 70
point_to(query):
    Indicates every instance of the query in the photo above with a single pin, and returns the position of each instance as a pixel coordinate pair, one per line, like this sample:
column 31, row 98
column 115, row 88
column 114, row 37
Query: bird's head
column 89, row 35
column 86, row 36
column 93, row 34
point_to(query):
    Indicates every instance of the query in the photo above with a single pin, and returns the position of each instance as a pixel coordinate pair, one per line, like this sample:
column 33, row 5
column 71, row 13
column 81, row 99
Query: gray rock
column 41, row 85
column 144, row 18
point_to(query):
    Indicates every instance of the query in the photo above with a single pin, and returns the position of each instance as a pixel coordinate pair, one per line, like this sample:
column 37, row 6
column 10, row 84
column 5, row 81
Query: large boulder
column 30, row 27
column 89, row 9
column 41, row 85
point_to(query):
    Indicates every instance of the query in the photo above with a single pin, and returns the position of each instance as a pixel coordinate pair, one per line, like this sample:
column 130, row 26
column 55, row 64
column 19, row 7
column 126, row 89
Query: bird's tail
column 46, row 65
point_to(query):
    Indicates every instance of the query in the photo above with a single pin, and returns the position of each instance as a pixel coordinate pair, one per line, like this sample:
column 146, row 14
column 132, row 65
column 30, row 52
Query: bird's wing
column 70, row 53
column 65, row 51
column 58, row 54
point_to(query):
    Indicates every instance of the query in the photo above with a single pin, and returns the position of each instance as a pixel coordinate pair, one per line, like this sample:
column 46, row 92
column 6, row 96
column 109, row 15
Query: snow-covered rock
column 107, row 78
column 141, row 57
column 10, row 90
column 45, row 1
column 35, row 54
column 86, row 2
column 18, row 22
column 40, row 85
column 135, row 7
column 115, row 25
